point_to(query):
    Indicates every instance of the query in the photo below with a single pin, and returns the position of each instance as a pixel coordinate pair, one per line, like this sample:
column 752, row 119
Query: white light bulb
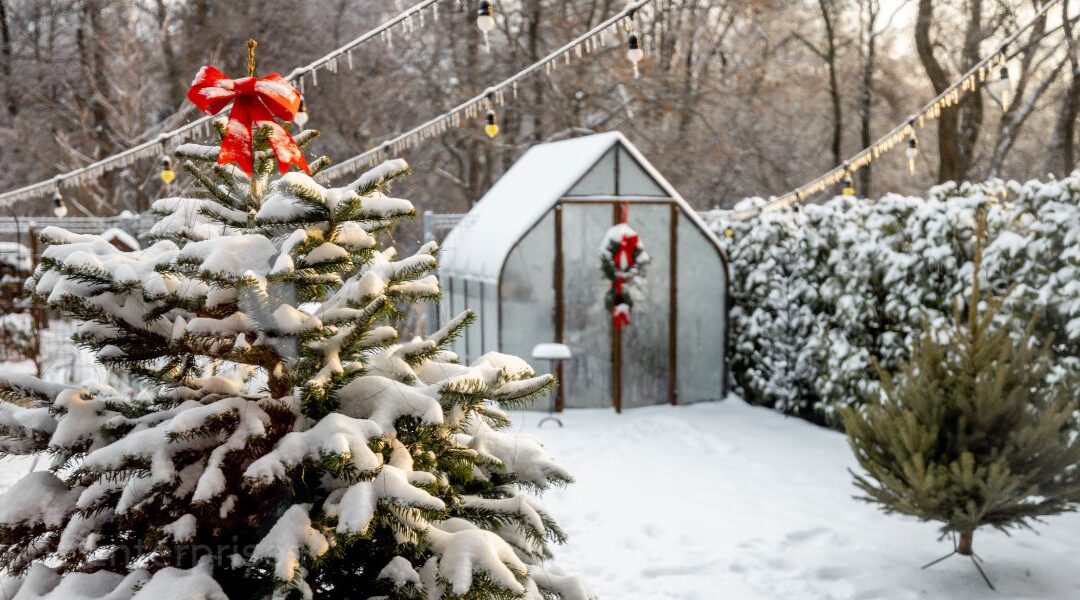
column 60, row 210
column 635, row 55
column 485, row 22
column 1002, row 85
column 301, row 119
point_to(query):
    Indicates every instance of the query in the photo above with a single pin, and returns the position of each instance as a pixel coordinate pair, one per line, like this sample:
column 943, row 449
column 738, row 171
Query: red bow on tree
column 256, row 101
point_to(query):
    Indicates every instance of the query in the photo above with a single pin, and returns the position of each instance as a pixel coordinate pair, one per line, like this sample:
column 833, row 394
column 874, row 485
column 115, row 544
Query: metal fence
column 21, row 324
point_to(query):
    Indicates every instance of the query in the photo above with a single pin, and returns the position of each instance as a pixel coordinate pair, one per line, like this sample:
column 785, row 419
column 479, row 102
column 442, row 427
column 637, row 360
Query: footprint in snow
column 804, row 535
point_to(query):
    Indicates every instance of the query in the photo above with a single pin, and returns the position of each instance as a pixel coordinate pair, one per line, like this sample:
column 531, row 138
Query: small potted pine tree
column 975, row 430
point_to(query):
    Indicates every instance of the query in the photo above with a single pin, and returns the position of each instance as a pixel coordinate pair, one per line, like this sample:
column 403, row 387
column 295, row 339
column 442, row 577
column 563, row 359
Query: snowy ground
column 725, row 500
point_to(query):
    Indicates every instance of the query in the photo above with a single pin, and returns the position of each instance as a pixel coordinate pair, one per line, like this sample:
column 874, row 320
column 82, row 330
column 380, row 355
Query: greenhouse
column 526, row 260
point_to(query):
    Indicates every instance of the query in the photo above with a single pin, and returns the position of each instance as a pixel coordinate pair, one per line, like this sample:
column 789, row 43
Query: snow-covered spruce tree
column 972, row 432
column 287, row 442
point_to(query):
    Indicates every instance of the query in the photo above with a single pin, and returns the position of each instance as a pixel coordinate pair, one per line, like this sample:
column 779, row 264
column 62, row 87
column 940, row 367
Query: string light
column 301, row 117
column 634, row 53
column 1001, row 86
column 491, row 128
column 912, row 152
column 485, row 20
column 202, row 126
column 167, row 174
column 599, row 36
column 849, row 186
column 981, row 72
column 59, row 208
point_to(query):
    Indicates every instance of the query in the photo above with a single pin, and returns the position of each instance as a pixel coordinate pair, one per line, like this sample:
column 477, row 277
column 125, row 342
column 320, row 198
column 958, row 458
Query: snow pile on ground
column 725, row 500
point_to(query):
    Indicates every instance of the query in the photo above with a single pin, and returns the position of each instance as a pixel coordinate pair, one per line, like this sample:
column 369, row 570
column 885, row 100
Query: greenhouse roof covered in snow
column 604, row 165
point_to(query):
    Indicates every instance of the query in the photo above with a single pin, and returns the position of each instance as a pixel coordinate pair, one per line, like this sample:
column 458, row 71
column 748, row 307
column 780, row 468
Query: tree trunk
column 834, row 83
column 173, row 73
column 964, row 547
column 948, row 144
column 867, row 98
column 971, row 105
column 11, row 98
column 1063, row 144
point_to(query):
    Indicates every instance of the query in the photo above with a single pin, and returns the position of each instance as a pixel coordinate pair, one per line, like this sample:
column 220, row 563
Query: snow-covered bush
column 821, row 292
column 286, row 443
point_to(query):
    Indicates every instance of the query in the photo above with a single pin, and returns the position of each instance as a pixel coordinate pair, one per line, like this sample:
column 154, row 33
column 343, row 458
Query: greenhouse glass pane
column 457, row 305
column 646, row 342
column 444, row 303
column 587, row 377
column 528, row 293
column 474, row 336
column 701, row 316
column 633, row 180
column 491, row 318
column 600, row 180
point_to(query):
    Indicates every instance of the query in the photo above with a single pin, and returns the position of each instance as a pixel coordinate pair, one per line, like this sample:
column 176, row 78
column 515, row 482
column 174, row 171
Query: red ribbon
column 256, row 101
column 624, row 256
column 621, row 315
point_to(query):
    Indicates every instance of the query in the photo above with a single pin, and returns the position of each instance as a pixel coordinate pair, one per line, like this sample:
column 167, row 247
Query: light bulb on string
column 491, row 127
column 485, row 20
column 301, row 117
column 1002, row 85
column 167, row 174
column 634, row 53
column 849, row 186
column 59, row 208
column 912, row 152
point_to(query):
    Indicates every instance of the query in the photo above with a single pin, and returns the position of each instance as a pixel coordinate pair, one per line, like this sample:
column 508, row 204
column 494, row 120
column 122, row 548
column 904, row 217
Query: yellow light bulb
column 168, row 175
column 491, row 130
column 729, row 232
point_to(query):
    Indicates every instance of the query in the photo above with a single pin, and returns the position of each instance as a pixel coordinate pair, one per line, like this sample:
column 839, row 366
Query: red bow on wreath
column 621, row 315
column 256, row 101
column 624, row 256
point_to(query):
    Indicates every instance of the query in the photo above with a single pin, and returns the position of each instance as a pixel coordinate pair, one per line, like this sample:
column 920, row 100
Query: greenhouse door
column 633, row 367
column 645, row 360
column 586, row 380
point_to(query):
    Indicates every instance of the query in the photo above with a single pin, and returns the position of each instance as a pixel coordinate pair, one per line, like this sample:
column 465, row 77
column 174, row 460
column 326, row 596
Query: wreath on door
column 622, row 260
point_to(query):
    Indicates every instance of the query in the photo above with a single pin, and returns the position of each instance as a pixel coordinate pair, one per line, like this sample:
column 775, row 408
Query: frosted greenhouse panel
column 457, row 305
column 527, row 292
column 587, row 377
column 599, row 180
column 474, row 335
column 701, row 316
column 490, row 321
column 646, row 343
column 633, row 180
column 444, row 303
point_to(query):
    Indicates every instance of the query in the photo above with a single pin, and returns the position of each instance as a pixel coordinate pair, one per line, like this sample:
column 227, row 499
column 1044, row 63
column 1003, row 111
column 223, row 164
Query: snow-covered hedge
column 820, row 292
